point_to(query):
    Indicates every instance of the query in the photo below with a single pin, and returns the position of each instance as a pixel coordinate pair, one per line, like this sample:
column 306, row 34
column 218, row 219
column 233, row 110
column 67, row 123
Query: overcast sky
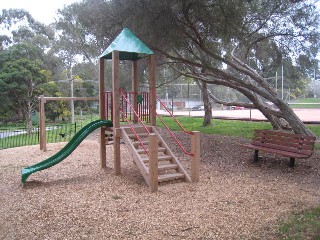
column 42, row 10
column 45, row 10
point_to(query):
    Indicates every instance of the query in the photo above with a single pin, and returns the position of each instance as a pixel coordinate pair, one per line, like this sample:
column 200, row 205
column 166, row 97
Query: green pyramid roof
column 129, row 46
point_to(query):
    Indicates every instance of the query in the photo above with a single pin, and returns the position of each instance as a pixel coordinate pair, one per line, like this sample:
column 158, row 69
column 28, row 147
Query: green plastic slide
column 66, row 151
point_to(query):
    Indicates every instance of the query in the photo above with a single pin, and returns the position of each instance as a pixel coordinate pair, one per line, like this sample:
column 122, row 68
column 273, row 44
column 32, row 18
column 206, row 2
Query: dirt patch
column 76, row 199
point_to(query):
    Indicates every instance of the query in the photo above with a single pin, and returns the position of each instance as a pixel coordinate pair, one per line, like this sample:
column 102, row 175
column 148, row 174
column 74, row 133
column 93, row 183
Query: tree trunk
column 285, row 120
column 281, row 116
column 292, row 119
column 207, row 119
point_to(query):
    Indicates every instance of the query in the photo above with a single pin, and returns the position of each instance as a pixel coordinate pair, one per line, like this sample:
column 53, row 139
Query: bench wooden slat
column 303, row 140
column 275, row 151
column 290, row 142
column 283, row 148
column 285, row 142
column 291, row 135
column 282, row 143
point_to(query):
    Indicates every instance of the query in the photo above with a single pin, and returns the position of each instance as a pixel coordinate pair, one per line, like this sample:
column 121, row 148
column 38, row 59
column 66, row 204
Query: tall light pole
column 71, row 93
column 314, row 83
column 165, row 83
column 276, row 81
column 282, row 81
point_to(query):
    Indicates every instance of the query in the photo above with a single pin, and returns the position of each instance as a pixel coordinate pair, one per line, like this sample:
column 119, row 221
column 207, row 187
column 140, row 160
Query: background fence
column 16, row 137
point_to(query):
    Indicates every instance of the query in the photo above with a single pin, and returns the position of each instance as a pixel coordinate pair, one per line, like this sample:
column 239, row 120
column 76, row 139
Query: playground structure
column 148, row 149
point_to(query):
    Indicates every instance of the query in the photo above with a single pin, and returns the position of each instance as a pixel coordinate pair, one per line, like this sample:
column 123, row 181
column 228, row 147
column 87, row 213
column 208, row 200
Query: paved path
column 306, row 115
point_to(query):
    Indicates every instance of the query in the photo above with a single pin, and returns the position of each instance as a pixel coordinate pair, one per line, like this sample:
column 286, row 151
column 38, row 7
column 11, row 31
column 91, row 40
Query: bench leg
column 292, row 160
column 256, row 157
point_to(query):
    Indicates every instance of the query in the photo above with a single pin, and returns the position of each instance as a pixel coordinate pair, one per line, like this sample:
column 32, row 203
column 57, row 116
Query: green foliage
column 21, row 79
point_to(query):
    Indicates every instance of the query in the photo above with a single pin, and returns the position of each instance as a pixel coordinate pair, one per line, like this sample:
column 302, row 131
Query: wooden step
column 137, row 129
column 168, row 166
column 137, row 143
column 133, row 136
column 170, row 176
column 160, row 158
column 160, row 149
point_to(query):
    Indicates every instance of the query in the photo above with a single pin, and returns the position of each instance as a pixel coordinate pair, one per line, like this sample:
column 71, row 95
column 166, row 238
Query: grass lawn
column 299, row 226
column 224, row 127
column 306, row 103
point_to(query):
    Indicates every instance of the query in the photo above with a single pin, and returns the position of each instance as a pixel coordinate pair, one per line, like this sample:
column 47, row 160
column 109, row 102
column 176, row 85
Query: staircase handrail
column 174, row 137
column 134, row 131
column 139, row 119
column 174, row 118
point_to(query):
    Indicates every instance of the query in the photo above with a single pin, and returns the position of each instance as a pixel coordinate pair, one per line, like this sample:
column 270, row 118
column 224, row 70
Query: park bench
column 282, row 143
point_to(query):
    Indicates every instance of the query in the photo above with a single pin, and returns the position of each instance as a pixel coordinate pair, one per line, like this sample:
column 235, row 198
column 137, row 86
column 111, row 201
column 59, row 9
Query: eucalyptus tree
column 230, row 43
column 236, row 44
column 21, row 80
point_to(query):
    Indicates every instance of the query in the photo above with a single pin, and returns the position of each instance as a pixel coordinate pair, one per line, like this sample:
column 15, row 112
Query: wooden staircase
column 169, row 168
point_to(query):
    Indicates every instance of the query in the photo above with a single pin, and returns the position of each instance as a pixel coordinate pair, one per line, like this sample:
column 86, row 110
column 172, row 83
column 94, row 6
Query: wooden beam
column 195, row 162
column 102, row 113
column 153, row 162
column 135, row 88
column 116, row 112
column 43, row 139
column 116, row 145
column 68, row 98
column 152, row 89
column 115, row 88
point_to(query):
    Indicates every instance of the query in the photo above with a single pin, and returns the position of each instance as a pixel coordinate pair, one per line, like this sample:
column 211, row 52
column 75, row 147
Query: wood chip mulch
column 76, row 199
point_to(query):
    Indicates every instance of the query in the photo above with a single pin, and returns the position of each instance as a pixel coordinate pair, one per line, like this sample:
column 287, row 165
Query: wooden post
column 195, row 162
column 116, row 112
column 40, row 121
column 116, row 144
column 153, row 162
column 115, row 88
column 102, row 113
column 152, row 89
column 135, row 88
column 43, row 140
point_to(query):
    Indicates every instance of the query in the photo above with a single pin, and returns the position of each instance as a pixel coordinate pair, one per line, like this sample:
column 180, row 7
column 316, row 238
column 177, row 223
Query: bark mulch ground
column 76, row 199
